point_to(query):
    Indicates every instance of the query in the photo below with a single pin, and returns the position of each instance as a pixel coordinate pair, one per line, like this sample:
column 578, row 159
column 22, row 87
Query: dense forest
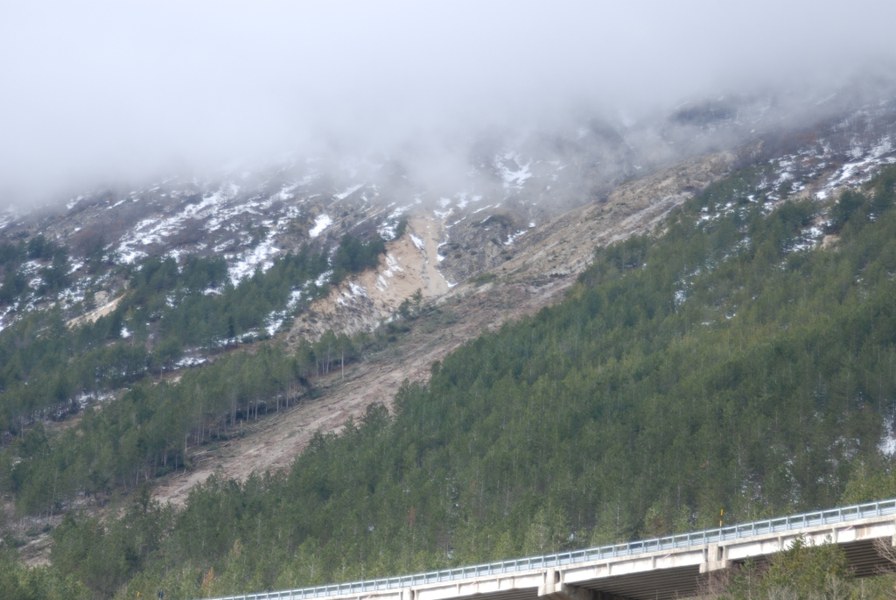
column 742, row 359
column 49, row 369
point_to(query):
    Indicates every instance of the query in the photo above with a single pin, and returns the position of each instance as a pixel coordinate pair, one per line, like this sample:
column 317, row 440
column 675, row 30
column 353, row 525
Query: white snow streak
column 321, row 222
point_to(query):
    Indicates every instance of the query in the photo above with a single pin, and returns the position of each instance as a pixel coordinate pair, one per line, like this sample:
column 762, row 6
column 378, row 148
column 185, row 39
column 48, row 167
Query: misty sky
column 102, row 90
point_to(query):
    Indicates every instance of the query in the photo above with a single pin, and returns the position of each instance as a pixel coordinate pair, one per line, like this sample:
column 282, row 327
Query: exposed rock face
column 409, row 267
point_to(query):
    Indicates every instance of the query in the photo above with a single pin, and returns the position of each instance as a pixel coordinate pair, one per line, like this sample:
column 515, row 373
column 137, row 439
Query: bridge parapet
column 564, row 575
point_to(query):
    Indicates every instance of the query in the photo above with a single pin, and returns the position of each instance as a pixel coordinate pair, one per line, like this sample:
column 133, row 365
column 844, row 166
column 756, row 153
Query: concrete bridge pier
column 554, row 588
column 714, row 559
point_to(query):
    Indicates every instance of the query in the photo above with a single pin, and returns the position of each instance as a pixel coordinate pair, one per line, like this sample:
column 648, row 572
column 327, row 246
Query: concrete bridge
column 661, row 568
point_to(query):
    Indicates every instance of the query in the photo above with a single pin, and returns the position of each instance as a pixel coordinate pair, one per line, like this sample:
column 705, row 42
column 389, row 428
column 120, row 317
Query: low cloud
column 108, row 91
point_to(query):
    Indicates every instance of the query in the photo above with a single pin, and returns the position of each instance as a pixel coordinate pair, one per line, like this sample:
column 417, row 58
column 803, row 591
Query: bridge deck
column 668, row 567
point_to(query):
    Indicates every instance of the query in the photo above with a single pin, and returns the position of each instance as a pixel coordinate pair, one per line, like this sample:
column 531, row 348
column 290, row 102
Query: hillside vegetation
column 50, row 370
column 744, row 359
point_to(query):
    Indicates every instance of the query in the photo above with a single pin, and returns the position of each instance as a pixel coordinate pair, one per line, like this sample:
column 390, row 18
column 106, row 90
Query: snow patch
column 388, row 229
column 809, row 239
column 133, row 245
column 513, row 173
column 861, row 169
column 348, row 192
column 354, row 291
column 86, row 398
column 68, row 205
column 486, row 207
column 260, row 257
column 294, row 298
column 286, row 192
column 392, row 267
column 75, row 266
column 323, row 278
column 679, row 297
column 887, row 443
column 273, row 325
column 321, row 222
column 190, row 361
column 275, row 320
column 514, row 237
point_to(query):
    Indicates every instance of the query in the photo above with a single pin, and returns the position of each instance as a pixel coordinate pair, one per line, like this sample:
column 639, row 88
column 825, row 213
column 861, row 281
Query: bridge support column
column 715, row 557
column 554, row 589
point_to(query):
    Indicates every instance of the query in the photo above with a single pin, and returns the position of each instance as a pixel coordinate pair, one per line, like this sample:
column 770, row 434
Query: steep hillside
column 742, row 358
column 545, row 265
column 163, row 335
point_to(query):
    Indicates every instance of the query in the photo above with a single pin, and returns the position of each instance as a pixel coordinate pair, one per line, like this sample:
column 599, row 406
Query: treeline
column 727, row 363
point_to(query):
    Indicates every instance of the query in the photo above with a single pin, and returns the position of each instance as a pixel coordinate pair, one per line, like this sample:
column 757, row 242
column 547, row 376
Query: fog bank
column 102, row 91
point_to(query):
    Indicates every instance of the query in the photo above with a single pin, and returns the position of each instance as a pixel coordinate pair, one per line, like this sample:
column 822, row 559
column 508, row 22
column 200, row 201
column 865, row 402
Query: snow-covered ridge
column 484, row 211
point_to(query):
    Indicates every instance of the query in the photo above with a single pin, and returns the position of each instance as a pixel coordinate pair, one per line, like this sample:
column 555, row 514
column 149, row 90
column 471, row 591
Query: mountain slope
column 186, row 368
column 547, row 265
column 736, row 359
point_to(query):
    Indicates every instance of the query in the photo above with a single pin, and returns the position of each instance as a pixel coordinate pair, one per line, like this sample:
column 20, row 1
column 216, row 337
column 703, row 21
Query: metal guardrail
column 685, row 540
